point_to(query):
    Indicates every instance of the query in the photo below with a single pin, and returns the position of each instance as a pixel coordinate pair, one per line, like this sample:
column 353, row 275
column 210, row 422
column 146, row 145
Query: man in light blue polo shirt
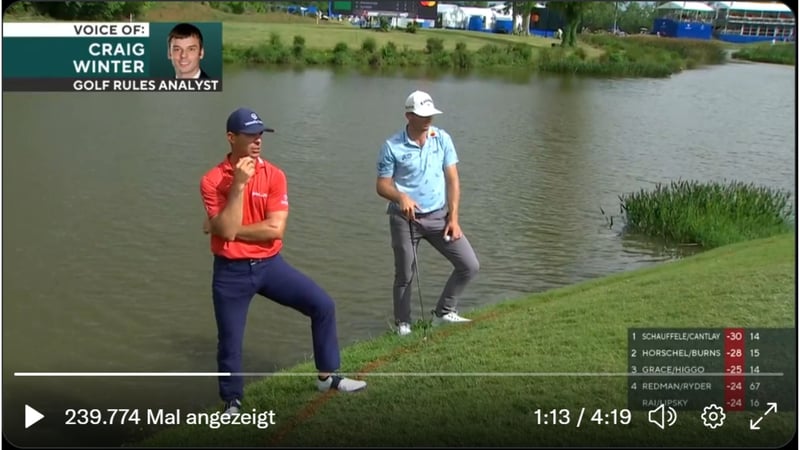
column 417, row 173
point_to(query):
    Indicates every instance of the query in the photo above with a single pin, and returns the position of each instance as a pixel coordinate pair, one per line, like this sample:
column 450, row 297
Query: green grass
column 639, row 56
column 251, row 38
column 245, row 30
column 780, row 53
column 708, row 214
column 596, row 55
column 490, row 57
column 607, row 56
column 581, row 328
column 323, row 36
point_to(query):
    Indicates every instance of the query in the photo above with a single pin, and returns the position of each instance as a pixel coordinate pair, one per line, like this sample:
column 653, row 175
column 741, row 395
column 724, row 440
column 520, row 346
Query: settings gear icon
column 713, row 416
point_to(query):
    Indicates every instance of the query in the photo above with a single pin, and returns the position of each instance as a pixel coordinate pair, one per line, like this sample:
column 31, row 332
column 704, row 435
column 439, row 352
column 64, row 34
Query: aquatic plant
column 708, row 214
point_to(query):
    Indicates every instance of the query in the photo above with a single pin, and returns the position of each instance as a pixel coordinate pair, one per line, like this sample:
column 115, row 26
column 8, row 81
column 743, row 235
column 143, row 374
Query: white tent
column 500, row 14
column 754, row 6
column 687, row 6
column 444, row 8
column 486, row 13
column 452, row 16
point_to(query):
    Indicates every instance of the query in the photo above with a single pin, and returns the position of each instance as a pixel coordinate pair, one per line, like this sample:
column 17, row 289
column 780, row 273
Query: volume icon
column 662, row 416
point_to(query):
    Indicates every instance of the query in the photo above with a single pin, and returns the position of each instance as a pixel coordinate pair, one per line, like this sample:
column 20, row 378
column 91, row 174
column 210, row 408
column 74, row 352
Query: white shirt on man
column 195, row 76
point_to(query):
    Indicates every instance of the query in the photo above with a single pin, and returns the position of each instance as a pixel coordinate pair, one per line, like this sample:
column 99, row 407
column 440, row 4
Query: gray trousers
column 405, row 241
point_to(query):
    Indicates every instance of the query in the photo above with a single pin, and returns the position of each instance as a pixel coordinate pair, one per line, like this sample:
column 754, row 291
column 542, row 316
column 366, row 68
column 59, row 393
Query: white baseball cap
column 421, row 104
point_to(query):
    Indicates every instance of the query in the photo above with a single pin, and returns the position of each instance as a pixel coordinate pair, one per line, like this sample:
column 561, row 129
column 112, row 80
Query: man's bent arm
column 269, row 229
column 227, row 222
column 453, row 190
column 385, row 184
column 386, row 188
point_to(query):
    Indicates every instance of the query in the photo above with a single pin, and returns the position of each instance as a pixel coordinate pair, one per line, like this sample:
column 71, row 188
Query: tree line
column 628, row 16
column 82, row 10
column 72, row 10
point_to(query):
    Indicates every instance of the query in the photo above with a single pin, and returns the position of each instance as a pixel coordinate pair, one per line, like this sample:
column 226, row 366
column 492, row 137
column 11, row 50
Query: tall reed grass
column 640, row 56
column 369, row 54
column 768, row 53
column 708, row 214
column 625, row 57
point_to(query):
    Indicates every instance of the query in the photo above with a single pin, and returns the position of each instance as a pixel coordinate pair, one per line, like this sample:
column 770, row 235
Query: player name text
column 673, row 369
column 666, row 402
column 680, row 353
column 680, row 336
column 695, row 386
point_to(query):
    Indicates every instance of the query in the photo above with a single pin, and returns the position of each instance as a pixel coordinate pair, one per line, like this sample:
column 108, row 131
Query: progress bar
column 390, row 374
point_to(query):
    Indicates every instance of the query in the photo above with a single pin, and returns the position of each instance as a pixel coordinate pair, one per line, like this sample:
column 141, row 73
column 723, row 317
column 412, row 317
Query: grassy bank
column 780, row 53
column 371, row 53
column 635, row 56
column 277, row 39
column 463, row 51
column 578, row 329
column 441, row 49
column 708, row 214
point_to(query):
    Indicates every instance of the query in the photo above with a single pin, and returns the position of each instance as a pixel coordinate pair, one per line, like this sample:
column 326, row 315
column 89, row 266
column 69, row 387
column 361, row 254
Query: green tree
column 637, row 15
column 524, row 8
column 626, row 16
column 601, row 15
column 19, row 8
column 90, row 10
column 573, row 13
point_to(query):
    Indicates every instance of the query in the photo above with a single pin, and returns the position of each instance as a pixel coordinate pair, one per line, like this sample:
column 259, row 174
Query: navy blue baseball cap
column 245, row 120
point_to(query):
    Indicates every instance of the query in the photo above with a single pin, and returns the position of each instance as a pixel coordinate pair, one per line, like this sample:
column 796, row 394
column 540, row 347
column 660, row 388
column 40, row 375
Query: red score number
column 734, row 369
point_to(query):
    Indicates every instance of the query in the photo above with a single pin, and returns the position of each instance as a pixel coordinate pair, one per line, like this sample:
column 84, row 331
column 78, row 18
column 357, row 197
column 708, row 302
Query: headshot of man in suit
column 185, row 50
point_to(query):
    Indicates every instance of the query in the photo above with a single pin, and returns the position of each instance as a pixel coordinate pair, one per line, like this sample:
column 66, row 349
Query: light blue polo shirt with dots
column 418, row 172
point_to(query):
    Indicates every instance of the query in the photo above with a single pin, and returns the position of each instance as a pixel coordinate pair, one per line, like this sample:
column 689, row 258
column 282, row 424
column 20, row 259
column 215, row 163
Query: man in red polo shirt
column 247, row 205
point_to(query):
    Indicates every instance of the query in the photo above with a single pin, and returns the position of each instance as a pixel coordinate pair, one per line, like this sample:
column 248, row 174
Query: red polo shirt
column 264, row 193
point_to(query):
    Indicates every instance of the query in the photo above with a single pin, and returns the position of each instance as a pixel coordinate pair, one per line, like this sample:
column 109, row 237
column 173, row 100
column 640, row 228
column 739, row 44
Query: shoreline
column 303, row 44
column 263, row 37
column 606, row 57
column 627, row 297
column 767, row 53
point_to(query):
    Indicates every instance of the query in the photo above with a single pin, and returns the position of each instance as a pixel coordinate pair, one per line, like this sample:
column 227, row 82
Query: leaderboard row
column 739, row 369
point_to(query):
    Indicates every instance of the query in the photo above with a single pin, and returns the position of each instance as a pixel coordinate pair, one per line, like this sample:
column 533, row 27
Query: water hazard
column 106, row 267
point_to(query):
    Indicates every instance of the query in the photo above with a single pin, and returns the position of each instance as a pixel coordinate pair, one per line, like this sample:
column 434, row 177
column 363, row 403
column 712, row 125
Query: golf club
column 416, row 274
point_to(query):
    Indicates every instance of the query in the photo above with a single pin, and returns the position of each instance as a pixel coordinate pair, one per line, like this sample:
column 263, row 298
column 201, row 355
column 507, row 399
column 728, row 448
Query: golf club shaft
column 416, row 268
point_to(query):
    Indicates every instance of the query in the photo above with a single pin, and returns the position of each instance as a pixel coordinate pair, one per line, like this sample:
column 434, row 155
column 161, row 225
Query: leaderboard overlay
column 737, row 369
column 107, row 57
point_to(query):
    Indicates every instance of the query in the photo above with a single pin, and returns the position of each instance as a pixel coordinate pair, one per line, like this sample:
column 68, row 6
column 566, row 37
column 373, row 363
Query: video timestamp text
column 583, row 416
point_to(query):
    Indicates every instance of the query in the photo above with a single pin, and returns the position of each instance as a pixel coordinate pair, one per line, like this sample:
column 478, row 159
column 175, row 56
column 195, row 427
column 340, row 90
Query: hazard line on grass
column 318, row 402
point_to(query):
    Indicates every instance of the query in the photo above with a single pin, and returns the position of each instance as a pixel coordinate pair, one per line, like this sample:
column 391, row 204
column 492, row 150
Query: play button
column 32, row 416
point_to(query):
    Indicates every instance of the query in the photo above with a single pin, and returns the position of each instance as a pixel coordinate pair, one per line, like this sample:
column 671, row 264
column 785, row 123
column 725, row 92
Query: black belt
column 428, row 213
column 250, row 261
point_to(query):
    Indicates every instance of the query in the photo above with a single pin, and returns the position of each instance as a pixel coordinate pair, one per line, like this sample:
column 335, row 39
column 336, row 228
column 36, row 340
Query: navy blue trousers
column 235, row 283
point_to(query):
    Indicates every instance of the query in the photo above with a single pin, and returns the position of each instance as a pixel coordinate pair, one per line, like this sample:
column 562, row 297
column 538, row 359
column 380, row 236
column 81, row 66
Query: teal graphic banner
column 71, row 56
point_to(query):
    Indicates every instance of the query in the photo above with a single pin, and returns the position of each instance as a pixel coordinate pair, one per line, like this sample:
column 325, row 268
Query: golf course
column 547, row 357
column 274, row 39
column 489, row 382
column 575, row 330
